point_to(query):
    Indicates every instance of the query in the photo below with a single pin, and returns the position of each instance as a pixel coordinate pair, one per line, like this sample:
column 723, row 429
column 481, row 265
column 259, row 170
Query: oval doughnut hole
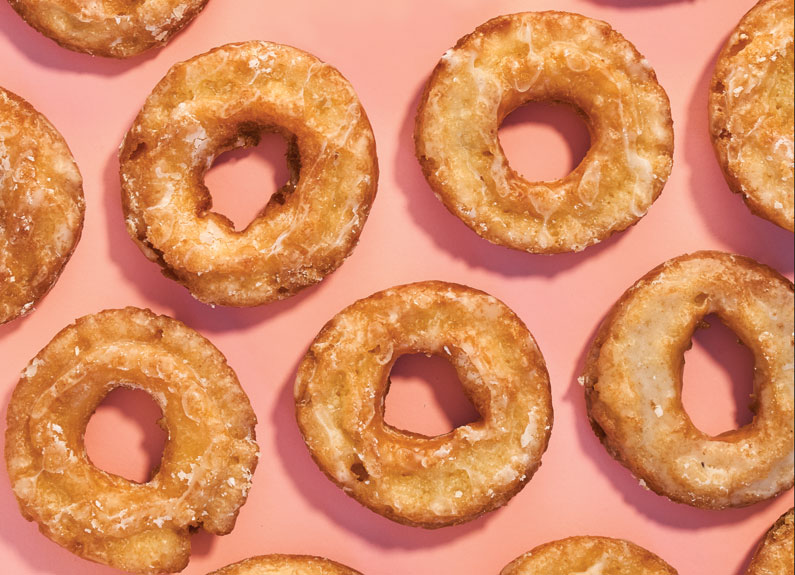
column 123, row 438
column 426, row 397
column 718, row 379
column 556, row 129
column 241, row 181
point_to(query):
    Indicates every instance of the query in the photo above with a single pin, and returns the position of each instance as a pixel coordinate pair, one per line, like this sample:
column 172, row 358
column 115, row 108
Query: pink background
column 387, row 49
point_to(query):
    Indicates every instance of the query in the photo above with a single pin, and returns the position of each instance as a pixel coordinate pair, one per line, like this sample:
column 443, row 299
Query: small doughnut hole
column 426, row 397
column 123, row 438
column 717, row 379
column 544, row 141
column 242, row 181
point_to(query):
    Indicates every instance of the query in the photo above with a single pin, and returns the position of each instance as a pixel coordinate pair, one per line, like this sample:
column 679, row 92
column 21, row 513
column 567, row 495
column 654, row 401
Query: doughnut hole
column 242, row 181
column 123, row 436
column 718, row 379
column 426, row 397
column 544, row 141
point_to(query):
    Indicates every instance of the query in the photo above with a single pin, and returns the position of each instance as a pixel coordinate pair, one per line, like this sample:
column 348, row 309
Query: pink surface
column 387, row 49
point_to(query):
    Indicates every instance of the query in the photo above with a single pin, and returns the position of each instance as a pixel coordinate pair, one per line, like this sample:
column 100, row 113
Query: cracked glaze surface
column 112, row 28
column 41, row 206
column 208, row 461
column 751, row 111
column 409, row 478
column 224, row 100
column 545, row 56
column 775, row 555
column 633, row 381
column 589, row 556
column 286, row 565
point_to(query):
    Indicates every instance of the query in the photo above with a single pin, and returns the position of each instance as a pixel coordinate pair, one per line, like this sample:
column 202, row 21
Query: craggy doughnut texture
column 589, row 556
column 112, row 28
column 286, row 565
column 412, row 479
column 633, row 381
column 203, row 478
column 554, row 57
column 775, row 556
column 41, row 206
column 224, row 100
column 751, row 111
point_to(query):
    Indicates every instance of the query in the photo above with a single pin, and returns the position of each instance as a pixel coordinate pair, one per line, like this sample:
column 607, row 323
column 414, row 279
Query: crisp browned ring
column 286, row 565
column 545, row 56
column 409, row 478
column 589, row 556
column 41, row 206
column 204, row 475
column 751, row 111
column 775, row 555
column 633, row 381
column 112, row 28
column 223, row 100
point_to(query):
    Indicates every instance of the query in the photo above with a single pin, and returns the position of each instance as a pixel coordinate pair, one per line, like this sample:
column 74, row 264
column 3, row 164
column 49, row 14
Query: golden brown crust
column 775, row 555
column 589, row 556
column 633, row 381
column 41, row 206
column 545, row 56
column 409, row 478
column 208, row 460
column 111, row 28
column 223, row 100
column 751, row 111
column 286, row 565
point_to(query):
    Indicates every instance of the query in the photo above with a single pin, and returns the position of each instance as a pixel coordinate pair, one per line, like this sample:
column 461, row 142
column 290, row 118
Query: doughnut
column 407, row 477
column 553, row 57
column 205, row 473
column 111, row 28
column 589, row 556
column 751, row 111
column 41, row 206
column 226, row 99
column 286, row 565
column 775, row 555
column 633, row 381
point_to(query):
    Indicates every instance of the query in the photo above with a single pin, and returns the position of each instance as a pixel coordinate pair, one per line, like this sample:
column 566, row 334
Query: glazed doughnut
column 41, row 206
column 203, row 478
column 554, row 57
column 412, row 479
column 589, row 556
column 751, row 111
column 286, row 565
column 112, row 28
column 633, row 381
column 224, row 100
column 775, row 555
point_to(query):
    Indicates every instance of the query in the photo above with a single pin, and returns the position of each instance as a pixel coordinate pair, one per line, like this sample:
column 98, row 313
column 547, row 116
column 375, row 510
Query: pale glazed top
column 222, row 100
column 751, row 111
column 206, row 470
column 589, row 556
column 285, row 565
column 545, row 56
column 41, row 205
column 114, row 28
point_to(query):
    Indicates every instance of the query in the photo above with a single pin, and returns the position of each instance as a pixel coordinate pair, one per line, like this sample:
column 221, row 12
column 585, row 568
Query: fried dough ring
column 407, row 477
column 776, row 554
column 545, row 56
column 111, row 28
column 751, row 111
column 633, row 381
column 223, row 100
column 208, row 460
column 41, row 206
column 286, row 565
column 589, row 556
